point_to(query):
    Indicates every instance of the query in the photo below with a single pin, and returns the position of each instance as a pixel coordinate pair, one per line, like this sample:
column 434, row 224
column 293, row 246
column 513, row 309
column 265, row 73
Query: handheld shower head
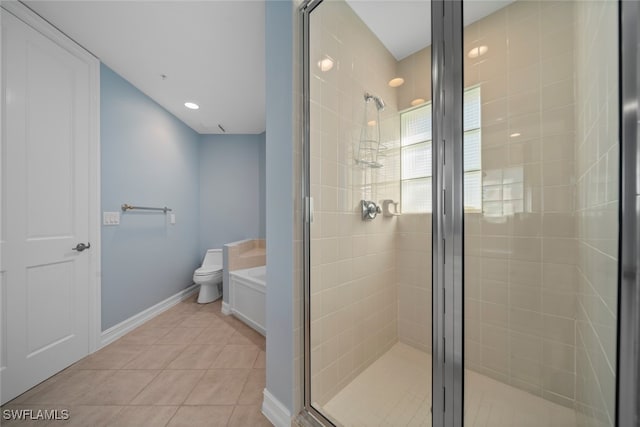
column 379, row 102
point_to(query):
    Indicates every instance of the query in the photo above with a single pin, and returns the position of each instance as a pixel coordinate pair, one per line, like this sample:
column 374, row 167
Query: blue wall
column 149, row 158
column 231, row 189
column 263, row 186
column 279, row 201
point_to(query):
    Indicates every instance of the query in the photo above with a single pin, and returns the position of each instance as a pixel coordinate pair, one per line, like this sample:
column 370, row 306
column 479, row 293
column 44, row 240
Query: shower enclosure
column 462, row 199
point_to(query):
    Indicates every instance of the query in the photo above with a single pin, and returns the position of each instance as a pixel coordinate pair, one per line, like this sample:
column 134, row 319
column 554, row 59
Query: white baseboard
column 117, row 331
column 225, row 309
column 275, row 411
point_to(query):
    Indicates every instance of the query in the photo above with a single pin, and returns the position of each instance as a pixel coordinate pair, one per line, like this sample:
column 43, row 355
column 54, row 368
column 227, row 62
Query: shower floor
column 396, row 391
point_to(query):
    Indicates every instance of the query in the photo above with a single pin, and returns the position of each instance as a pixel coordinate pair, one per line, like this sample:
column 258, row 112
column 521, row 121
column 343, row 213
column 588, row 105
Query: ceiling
column 212, row 53
column 404, row 26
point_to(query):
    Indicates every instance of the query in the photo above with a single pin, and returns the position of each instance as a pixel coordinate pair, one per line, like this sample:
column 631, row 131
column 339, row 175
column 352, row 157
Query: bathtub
column 247, row 294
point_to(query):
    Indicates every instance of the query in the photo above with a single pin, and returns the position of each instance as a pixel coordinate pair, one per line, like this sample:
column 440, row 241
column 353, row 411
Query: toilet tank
column 212, row 257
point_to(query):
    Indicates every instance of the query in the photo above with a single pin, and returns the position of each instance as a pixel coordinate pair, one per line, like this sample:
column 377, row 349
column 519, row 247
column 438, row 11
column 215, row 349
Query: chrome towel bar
column 126, row 207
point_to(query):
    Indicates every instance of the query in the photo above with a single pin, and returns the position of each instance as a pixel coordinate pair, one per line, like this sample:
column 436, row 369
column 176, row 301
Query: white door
column 45, row 286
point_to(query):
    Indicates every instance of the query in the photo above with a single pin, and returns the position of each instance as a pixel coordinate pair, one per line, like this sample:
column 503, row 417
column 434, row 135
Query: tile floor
column 189, row 366
column 396, row 391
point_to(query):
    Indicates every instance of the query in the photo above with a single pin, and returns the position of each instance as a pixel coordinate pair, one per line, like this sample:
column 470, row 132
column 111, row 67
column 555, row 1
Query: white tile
column 396, row 391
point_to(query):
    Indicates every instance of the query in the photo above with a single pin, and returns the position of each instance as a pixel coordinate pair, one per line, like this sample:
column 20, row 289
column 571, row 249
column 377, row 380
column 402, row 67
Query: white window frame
column 477, row 128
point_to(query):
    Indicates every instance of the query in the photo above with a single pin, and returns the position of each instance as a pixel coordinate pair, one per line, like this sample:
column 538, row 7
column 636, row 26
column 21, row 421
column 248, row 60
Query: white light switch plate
column 172, row 219
column 111, row 218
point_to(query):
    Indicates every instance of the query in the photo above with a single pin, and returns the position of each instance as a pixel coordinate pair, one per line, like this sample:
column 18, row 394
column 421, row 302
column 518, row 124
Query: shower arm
column 379, row 102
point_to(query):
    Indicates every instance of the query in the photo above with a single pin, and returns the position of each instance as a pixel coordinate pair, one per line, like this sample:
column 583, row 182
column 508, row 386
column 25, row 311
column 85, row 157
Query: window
column 416, row 154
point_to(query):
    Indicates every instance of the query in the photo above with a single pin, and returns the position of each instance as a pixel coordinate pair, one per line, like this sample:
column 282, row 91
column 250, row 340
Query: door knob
column 81, row 247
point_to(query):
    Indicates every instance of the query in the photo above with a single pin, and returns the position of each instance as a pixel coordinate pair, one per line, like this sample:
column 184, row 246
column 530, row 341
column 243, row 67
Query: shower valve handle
column 369, row 209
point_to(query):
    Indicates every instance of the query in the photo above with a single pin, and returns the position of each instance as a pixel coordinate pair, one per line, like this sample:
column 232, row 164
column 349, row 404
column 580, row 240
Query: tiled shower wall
column 414, row 280
column 521, row 251
column 354, row 293
column 520, row 259
column 414, row 230
column 597, row 160
column 542, row 252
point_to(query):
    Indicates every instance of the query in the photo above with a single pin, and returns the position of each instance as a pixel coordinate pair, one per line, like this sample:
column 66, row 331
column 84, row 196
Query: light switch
column 172, row 219
column 111, row 218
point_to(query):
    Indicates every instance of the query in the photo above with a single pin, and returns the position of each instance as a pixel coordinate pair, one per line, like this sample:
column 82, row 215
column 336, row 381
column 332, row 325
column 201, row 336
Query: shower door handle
column 308, row 205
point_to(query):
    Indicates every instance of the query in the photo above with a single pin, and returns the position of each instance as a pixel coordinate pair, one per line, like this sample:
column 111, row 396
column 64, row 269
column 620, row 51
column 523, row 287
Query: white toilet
column 209, row 276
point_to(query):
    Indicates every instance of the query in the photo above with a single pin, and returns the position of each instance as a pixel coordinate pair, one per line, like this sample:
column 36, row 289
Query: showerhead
column 379, row 102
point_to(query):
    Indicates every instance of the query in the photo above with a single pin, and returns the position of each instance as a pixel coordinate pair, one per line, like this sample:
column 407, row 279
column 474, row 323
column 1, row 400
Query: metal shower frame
column 448, row 218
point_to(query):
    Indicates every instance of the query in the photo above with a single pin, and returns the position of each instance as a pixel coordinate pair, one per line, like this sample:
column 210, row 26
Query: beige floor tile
column 219, row 335
column 253, row 388
column 180, row 336
column 218, row 387
column 261, row 361
column 247, row 336
column 117, row 389
column 236, row 356
column 244, row 416
column 214, row 307
column 142, row 378
column 196, row 357
column 114, row 356
column 233, row 322
column 167, row 320
column 405, row 398
column 69, row 389
column 24, row 397
column 201, row 320
column 146, row 335
column 239, row 339
column 169, row 388
column 186, row 308
column 201, row 416
column 143, row 416
column 155, row 357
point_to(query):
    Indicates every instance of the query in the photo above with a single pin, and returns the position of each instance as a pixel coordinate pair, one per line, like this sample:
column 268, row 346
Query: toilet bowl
column 209, row 277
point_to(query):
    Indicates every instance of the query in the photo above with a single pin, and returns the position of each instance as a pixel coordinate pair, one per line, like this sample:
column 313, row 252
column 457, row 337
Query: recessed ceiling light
column 515, row 135
column 417, row 101
column 191, row 105
column 395, row 82
column 478, row 51
column 372, row 122
column 325, row 64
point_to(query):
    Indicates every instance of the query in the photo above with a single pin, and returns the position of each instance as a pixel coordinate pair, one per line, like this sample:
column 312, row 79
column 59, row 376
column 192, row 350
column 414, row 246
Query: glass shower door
column 541, row 190
column 369, row 185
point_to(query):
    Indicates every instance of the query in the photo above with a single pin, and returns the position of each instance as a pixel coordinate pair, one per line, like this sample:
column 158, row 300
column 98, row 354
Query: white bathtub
column 247, row 295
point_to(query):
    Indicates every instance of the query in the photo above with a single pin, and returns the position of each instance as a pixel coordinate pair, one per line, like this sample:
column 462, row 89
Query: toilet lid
column 208, row 270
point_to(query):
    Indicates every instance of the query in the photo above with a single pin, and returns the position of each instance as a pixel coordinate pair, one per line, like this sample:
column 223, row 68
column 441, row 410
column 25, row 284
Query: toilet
column 209, row 277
